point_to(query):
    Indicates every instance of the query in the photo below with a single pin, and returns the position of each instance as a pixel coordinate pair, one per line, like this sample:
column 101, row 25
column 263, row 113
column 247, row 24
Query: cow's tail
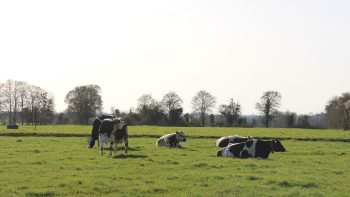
column 126, row 139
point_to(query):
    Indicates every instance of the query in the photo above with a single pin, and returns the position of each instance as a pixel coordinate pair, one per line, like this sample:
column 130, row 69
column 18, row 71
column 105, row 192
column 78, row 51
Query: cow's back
column 107, row 126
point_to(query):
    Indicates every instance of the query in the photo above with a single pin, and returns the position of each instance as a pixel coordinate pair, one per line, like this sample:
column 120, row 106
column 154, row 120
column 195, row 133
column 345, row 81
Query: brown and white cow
column 171, row 140
column 252, row 148
column 226, row 140
column 113, row 131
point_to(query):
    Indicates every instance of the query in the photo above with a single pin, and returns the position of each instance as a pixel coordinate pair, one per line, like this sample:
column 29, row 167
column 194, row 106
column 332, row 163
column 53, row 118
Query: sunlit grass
column 63, row 166
column 85, row 130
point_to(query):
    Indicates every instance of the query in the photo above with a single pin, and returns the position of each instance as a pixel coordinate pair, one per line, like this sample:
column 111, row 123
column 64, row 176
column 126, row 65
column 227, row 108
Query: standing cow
column 95, row 127
column 171, row 140
column 113, row 131
column 252, row 148
column 226, row 140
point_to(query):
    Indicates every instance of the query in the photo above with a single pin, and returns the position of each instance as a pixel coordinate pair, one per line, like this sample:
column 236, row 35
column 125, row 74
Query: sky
column 231, row 49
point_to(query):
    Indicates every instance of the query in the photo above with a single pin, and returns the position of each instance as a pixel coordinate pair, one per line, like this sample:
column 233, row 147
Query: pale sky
column 232, row 49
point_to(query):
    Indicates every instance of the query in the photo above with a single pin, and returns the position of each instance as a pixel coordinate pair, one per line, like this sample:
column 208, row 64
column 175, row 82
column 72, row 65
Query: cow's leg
column 110, row 148
column 101, row 145
column 101, row 149
column 115, row 147
column 126, row 144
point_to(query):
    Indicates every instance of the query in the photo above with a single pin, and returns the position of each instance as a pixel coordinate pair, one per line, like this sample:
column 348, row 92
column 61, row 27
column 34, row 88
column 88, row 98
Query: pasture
column 317, row 163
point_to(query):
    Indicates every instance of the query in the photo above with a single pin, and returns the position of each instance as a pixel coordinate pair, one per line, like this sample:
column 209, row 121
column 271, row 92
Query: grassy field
column 63, row 166
column 206, row 132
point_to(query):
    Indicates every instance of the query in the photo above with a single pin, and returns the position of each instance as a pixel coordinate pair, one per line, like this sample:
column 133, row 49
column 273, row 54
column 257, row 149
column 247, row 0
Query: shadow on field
column 129, row 156
column 106, row 148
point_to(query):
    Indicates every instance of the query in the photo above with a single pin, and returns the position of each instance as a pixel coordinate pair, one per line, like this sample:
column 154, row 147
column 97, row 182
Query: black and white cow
column 226, row 140
column 171, row 140
column 114, row 131
column 252, row 148
column 95, row 128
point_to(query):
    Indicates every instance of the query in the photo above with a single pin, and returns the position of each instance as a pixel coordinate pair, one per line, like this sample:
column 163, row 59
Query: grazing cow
column 95, row 127
column 171, row 140
column 114, row 131
column 224, row 141
column 252, row 148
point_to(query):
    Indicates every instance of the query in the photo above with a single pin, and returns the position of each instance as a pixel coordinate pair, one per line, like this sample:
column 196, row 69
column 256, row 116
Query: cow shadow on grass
column 126, row 156
column 137, row 148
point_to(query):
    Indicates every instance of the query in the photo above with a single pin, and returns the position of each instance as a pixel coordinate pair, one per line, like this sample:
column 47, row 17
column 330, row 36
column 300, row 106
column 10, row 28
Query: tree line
column 25, row 103
column 29, row 104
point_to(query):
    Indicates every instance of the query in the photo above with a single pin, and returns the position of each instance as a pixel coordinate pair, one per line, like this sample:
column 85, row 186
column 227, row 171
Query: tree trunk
column 203, row 119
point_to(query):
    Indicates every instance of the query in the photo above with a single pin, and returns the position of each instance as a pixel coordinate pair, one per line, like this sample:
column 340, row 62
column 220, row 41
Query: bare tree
column 150, row 110
column 144, row 102
column 231, row 112
column 171, row 101
column 8, row 99
column 202, row 103
column 268, row 105
column 16, row 99
column 23, row 94
column 1, row 95
column 33, row 102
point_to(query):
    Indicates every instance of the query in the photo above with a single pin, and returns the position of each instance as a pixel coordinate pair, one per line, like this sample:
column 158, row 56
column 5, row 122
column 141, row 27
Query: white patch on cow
column 105, row 139
column 162, row 141
column 251, row 149
column 226, row 152
column 121, row 124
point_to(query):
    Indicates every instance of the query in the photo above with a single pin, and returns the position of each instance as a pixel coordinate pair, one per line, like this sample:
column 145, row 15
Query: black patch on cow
column 224, row 142
column 262, row 149
column 236, row 149
column 120, row 133
column 244, row 154
column 249, row 143
column 173, row 142
column 239, row 139
column 107, row 126
column 219, row 154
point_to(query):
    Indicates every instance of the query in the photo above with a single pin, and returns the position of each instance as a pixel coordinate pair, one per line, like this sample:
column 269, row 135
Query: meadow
column 56, row 162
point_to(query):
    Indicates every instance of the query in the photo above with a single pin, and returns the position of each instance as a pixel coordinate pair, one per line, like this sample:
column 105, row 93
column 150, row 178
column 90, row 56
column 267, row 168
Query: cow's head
column 119, row 123
column 180, row 136
column 219, row 154
column 277, row 146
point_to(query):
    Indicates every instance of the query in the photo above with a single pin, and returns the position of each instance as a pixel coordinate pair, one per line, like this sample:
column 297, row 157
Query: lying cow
column 171, row 140
column 252, row 148
column 226, row 140
column 114, row 131
column 95, row 127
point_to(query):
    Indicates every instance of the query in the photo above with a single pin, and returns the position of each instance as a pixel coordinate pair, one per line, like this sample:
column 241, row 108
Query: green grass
column 283, row 133
column 63, row 166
